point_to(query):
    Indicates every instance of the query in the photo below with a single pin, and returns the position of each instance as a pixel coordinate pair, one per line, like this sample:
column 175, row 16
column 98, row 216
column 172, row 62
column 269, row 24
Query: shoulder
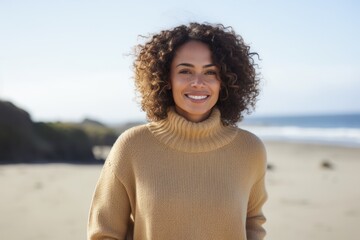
column 126, row 144
column 132, row 134
column 250, row 139
column 252, row 146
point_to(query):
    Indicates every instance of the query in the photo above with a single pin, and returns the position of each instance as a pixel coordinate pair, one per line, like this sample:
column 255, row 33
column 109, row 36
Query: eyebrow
column 191, row 65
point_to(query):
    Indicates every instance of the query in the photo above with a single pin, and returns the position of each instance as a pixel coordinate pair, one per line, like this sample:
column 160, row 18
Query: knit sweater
column 181, row 180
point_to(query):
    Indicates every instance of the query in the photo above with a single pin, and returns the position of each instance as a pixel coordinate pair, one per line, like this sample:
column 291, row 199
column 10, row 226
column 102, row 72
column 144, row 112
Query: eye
column 211, row 72
column 185, row 71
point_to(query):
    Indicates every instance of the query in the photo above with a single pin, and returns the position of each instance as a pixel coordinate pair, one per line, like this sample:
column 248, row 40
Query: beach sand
column 307, row 198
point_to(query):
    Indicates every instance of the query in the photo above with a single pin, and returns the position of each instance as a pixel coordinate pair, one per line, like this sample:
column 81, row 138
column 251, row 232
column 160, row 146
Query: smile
column 197, row 97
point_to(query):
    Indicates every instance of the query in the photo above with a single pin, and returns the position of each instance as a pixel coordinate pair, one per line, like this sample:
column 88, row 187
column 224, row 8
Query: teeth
column 197, row 97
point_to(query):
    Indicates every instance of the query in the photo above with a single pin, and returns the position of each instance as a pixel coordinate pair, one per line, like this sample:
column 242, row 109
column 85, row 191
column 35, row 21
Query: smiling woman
column 189, row 173
column 194, row 81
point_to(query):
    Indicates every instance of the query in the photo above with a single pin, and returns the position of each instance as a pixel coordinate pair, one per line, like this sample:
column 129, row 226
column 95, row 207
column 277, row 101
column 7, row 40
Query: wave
column 334, row 136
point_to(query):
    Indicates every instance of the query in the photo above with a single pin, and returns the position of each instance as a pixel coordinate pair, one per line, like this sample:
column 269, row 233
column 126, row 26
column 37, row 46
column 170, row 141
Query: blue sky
column 66, row 60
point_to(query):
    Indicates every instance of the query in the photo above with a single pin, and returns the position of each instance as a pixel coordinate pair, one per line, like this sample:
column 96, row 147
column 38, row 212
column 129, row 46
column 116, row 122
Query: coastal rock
column 22, row 140
column 326, row 164
column 16, row 134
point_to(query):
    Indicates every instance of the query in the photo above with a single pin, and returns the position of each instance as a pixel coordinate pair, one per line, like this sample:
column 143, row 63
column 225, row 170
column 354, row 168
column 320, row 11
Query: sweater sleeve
column 255, row 217
column 110, row 209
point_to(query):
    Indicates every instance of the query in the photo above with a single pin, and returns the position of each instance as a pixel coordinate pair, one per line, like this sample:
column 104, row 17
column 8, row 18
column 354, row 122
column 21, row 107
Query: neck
column 180, row 134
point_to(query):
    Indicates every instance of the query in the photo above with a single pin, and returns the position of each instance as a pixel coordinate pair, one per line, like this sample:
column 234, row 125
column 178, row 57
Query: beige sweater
column 182, row 180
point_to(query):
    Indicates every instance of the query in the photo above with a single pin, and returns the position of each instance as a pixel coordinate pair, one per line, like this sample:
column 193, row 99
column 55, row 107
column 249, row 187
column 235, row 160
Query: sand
column 306, row 199
column 309, row 201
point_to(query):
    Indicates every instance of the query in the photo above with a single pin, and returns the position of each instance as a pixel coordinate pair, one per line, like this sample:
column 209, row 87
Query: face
column 195, row 81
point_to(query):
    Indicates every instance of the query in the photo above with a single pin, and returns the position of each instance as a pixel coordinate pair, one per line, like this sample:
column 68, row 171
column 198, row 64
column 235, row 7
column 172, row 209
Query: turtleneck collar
column 186, row 136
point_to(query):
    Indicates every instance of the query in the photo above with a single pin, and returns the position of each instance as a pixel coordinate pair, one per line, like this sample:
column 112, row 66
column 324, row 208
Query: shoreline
column 307, row 200
column 334, row 136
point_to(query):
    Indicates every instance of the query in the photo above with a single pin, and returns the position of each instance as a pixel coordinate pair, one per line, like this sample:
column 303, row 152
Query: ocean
column 340, row 129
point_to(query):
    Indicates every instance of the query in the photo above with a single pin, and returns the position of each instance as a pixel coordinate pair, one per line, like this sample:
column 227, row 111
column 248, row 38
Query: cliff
column 22, row 140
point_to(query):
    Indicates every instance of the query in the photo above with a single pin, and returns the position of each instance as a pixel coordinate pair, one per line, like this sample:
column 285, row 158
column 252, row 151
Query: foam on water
column 335, row 136
column 335, row 129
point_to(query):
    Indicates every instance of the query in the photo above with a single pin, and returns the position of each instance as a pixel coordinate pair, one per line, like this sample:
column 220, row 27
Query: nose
column 197, row 81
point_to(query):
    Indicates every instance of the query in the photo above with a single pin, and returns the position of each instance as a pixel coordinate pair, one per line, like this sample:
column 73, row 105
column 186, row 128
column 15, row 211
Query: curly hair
column 239, row 79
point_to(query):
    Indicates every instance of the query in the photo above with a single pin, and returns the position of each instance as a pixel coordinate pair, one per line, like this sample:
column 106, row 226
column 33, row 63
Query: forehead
column 193, row 51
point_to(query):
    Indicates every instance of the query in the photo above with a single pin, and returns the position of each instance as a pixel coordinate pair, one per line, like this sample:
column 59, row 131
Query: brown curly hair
column 239, row 80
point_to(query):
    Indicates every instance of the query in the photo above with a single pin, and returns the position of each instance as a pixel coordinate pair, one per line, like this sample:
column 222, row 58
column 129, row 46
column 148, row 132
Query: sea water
column 340, row 129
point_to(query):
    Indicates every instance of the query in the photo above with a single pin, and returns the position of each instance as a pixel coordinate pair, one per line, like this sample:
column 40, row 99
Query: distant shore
column 313, row 194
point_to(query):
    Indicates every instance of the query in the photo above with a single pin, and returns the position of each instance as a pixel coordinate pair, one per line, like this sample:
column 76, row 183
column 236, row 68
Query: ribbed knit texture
column 193, row 137
column 182, row 180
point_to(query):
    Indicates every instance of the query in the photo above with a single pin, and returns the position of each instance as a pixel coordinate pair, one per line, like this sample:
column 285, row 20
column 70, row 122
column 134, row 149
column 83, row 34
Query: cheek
column 178, row 83
column 175, row 88
column 217, row 87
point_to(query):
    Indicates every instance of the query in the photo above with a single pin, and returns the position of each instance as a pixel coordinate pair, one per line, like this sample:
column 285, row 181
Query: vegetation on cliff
column 22, row 140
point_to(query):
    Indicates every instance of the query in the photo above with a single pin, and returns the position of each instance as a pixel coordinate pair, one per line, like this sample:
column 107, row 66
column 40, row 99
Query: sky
column 68, row 60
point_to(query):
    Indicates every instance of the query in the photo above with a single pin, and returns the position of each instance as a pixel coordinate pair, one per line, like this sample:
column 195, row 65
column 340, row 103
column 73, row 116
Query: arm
column 255, row 218
column 110, row 209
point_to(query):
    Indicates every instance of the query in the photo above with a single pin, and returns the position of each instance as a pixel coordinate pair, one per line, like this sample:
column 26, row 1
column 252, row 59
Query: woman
column 189, row 173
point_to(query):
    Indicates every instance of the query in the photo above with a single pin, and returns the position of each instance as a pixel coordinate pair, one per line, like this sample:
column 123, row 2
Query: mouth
column 197, row 97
